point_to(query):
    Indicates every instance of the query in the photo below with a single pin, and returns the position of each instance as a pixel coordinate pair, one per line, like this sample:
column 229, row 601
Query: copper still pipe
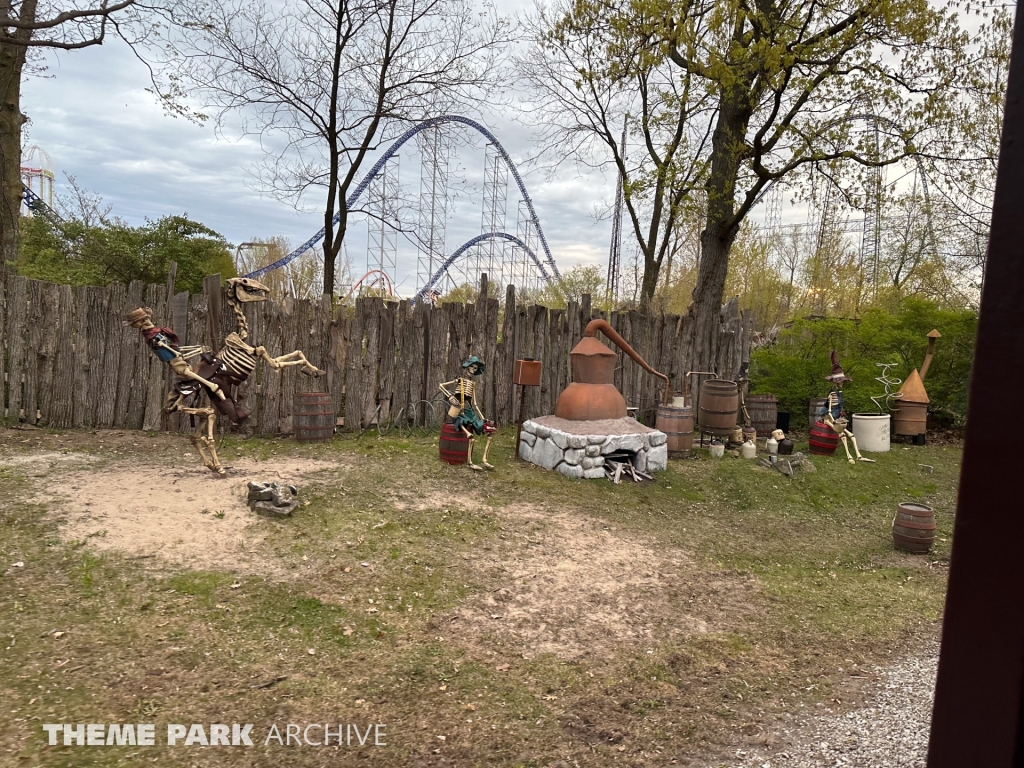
column 932, row 336
column 602, row 325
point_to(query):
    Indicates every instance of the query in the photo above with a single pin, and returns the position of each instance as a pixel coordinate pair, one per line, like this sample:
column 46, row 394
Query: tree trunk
column 12, row 60
column 721, row 224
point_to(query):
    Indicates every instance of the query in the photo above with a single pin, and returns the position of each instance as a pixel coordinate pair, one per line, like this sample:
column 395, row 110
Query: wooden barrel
column 454, row 445
column 823, row 439
column 313, row 416
column 817, row 403
column 719, row 404
column 764, row 413
column 677, row 423
column 911, row 418
column 913, row 528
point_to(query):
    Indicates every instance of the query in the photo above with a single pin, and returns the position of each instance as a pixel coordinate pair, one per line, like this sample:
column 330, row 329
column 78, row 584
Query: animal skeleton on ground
column 214, row 374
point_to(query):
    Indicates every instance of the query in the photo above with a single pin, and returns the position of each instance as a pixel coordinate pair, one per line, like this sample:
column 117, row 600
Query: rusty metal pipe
column 686, row 379
column 602, row 325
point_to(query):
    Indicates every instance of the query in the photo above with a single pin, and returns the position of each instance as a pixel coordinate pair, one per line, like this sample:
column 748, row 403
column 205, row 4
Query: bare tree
column 323, row 82
column 629, row 113
column 299, row 279
column 24, row 24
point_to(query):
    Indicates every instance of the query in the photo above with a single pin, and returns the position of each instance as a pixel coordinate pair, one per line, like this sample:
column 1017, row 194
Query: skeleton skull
column 245, row 289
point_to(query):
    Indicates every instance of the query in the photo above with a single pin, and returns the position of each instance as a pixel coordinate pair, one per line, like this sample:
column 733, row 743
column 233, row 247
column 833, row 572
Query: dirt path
column 181, row 514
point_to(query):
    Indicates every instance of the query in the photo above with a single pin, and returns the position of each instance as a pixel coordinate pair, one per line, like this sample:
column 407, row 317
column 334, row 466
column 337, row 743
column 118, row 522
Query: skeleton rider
column 833, row 413
column 464, row 412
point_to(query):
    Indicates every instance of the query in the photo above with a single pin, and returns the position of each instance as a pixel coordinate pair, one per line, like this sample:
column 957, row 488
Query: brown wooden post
column 978, row 718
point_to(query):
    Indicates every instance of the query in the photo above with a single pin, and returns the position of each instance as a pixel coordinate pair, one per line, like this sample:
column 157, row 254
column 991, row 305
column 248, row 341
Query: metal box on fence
column 526, row 373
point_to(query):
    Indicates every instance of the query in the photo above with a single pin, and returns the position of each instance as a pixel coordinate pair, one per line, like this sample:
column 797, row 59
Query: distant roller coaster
column 469, row 244
column 548, row 261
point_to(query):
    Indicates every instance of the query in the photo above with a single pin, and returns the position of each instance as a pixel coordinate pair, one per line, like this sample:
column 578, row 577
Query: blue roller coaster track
column 353, row 198
column 469, row 244
column 36, row 204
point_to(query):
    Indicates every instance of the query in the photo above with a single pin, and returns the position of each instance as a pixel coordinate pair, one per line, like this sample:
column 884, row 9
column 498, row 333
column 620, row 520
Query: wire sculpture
column 888, row 382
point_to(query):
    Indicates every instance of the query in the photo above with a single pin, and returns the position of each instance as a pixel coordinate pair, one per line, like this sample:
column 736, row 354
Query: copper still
column 911, row 416
column 592, row 394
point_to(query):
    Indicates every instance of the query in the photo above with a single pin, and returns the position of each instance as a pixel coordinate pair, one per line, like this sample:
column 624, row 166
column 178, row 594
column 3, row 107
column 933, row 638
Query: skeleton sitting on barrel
column 833, row 414
column 464, row 412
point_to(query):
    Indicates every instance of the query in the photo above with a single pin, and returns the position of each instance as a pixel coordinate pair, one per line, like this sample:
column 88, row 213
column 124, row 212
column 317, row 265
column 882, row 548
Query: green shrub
column 794, row 369
column 116, row 252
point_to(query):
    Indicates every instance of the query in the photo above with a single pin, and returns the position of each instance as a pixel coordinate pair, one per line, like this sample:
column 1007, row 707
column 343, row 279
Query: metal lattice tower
column 773, row 219
column 490, row 255
column 871, row 237
column 435, row 151
column 521, row 270
column 382, row 238
column 615, row 250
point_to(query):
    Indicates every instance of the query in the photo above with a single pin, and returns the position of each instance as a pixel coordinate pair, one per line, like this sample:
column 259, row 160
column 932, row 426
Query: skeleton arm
column 444, row 387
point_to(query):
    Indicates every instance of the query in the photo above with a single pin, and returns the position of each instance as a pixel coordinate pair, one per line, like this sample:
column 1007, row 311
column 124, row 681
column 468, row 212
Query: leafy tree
column 794, row 368
column 460, row 294
column 30, row 25
column 796, row 85
column 113, row 251
column 611, row 102
column 571, row 286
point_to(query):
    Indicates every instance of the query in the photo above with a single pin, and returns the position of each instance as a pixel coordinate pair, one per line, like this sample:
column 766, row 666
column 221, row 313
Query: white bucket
column 872, row 432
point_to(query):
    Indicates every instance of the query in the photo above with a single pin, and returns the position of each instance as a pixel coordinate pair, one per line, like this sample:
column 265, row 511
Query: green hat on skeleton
column 474, row 360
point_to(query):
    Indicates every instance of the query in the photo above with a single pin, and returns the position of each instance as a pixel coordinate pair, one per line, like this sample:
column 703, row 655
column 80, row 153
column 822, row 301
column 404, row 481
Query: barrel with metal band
column 718, row 406
column 676, row 421
column 913, row 528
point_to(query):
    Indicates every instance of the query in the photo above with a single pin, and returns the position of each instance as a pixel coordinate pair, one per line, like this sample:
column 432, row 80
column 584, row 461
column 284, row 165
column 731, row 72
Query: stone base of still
column 578, row 448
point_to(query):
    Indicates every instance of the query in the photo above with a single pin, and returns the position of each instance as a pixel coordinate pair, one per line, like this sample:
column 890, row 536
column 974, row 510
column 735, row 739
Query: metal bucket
column 719, row 404
column 677, row 423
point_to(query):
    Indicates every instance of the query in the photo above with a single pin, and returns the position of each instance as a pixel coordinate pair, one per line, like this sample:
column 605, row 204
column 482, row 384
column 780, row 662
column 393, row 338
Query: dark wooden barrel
column 823, row 439
column 719, row 404
column 816, row 404
column 677, row 423
column 454, row 445
column 313, row 416
column 764, row 413
column 911, row 419
column 913, row 528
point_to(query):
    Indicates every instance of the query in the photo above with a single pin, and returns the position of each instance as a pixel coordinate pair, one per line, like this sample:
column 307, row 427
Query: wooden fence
column 70, row 362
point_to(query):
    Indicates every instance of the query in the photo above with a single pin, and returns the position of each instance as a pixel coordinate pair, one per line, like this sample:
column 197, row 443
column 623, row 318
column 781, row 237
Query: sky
column 92, row 114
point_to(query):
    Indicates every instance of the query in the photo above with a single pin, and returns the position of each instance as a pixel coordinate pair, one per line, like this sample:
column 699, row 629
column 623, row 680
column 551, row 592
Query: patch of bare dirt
column 573, row 586
column 181, row 515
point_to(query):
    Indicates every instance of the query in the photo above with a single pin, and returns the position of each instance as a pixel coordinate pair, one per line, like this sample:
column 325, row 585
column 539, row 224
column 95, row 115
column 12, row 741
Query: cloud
column 94, row 117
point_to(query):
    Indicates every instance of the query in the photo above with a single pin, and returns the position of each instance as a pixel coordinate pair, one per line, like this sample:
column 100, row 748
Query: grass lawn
column 509, row 618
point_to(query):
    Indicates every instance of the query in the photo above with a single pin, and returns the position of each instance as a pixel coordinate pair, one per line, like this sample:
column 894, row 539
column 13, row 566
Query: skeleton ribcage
column 237, row 363
column 466, row 388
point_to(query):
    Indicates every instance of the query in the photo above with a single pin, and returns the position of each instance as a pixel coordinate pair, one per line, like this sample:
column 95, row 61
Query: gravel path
column 890, row 731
